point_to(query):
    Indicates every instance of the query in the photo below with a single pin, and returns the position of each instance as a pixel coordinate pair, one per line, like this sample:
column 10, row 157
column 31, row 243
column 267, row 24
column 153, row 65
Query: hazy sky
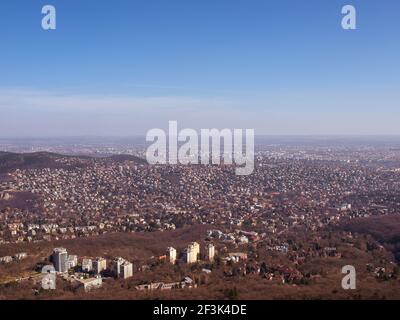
column 124, row 67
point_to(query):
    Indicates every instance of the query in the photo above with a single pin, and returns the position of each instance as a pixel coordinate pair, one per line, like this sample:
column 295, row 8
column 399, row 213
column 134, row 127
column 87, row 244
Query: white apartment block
column 122, row 268
column 171, row 255
column 72, row 261
column 192, row 252
column 87, row 265
column 210, row 252
column 99, row 265
column 126, row 270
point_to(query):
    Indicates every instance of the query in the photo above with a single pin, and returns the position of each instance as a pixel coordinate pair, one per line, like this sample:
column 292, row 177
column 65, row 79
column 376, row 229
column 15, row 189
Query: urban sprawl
column 296, row 207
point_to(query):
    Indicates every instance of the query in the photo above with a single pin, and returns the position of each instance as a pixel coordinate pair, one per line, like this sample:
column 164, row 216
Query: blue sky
column 123, row 67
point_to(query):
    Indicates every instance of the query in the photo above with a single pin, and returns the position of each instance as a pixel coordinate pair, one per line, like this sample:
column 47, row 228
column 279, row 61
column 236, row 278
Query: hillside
column 127, row 157
column 39, row 160
column 385, row 229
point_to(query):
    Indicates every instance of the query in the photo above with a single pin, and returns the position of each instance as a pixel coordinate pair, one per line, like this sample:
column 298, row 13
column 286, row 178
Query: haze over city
column 280, row 67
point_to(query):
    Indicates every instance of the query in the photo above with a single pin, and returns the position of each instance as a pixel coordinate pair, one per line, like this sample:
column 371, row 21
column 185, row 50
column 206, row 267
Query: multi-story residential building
column 171, row 255
column 192, row 252
column 99, row 265
column 116, row 266
column 122, row 268
column 126, row 270
column 210, row 252
column 196, row 250
column 87, row 265
column 72, row 261
column 60, row 257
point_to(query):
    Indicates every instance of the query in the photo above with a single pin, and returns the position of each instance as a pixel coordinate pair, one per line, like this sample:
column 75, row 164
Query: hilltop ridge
column 40, row 160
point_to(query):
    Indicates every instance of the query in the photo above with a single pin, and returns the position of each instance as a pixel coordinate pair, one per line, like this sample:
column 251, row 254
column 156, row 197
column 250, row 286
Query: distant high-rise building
column 116, row 266
column 99, row 265
column 87, row 265
column 126, row 270
column 188, row 255
column 122, row 268
column 60, row 259
column 192, row 252
column 72, row 261
column 171, row 255
column 210, row 252
column 196, row 248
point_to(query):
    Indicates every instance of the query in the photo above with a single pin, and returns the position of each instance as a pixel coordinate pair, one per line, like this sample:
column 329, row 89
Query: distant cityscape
column 307, row 202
